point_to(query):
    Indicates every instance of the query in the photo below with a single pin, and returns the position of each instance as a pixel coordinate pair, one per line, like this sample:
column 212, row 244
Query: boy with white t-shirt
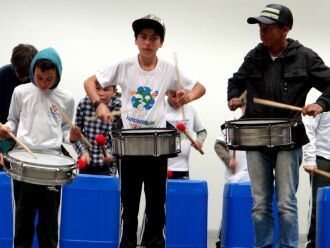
column 179, row 166
column 144, row 81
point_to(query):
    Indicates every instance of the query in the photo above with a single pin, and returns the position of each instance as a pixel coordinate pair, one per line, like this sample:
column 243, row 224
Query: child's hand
column 85, row 156
column 232, row 165
column 108, row 158
column 4, row 132
column 182, row 97
column 103, row 113
column 75, row 134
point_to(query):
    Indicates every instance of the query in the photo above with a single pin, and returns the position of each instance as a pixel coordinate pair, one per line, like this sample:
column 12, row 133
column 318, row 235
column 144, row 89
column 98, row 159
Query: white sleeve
column 197, row 123
column 107, row 75
column 69, row 110
column 311, row 124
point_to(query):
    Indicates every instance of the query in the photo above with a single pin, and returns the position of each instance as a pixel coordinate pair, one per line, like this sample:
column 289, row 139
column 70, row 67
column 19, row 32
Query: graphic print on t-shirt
column 143, row 97
column 142, row 100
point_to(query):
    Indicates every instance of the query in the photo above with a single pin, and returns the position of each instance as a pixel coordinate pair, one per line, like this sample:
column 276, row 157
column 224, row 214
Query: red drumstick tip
column 181, row 126
column 169, row 173
column 81, row 164
column 100, row 140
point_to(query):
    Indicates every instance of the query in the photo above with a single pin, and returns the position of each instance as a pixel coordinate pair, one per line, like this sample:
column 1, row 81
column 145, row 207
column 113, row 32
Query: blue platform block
column 186, row 214
column 323, row 217
column 237, row 227
column 91, row 212
column 6, row 212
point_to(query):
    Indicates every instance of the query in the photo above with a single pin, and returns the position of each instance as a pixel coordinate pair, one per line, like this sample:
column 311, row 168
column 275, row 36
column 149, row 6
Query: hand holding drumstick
column 5, row 133
column 75, row 131
column 313, row 169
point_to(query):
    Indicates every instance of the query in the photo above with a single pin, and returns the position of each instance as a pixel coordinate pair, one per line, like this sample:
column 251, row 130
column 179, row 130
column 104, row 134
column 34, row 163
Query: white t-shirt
column 143, row 92
column 193, row 125
column 241, row 172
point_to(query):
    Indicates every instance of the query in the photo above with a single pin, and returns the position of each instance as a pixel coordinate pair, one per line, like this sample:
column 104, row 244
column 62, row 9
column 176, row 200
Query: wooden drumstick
column 318, row 171
column 276, row 104
column 181, row 126
column 242, row 96
column 19, row 142
column 178, row 78
column 113, row 113
column 67, row 119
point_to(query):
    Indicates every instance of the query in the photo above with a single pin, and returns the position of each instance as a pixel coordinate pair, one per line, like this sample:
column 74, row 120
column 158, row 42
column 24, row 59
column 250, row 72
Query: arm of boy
column 102, row 111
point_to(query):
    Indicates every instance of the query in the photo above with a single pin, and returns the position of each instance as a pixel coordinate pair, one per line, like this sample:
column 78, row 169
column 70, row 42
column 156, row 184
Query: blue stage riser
column 323, row 217
column 237, row 227
column 186, row 214
column 90, row 215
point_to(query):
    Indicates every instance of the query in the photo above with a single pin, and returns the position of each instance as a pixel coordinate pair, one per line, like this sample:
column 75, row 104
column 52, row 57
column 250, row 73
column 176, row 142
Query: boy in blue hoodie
column 35, row 124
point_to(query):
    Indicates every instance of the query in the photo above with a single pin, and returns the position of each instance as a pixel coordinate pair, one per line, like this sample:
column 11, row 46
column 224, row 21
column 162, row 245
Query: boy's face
column 148, row 42
column 106, row 93
column 45, row 79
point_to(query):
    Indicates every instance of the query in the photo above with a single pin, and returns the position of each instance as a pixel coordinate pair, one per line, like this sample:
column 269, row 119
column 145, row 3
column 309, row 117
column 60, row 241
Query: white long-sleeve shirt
column 318, row 131
column 33, row 120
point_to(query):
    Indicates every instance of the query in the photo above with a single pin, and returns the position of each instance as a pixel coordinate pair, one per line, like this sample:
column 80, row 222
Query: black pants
column 317, row 182
column 152, row 172
column 28, row 199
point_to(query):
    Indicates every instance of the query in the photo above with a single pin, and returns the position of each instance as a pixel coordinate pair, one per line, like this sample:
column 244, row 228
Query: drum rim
column 267, row 121
column 73, row 161
column 140, row 131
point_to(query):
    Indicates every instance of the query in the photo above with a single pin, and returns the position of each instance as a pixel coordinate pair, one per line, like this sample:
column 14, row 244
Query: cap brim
column 260, row 19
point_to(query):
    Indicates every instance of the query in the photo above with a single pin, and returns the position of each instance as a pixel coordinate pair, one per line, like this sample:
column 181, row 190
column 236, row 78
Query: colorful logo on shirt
column 143, row 97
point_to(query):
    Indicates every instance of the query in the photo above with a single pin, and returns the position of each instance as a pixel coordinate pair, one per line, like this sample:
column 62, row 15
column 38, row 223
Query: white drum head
column 49, row 159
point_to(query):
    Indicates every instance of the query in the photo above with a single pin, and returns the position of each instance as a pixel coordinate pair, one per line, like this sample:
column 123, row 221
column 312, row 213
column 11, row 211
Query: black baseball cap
column 149, row 21
column 274, row 13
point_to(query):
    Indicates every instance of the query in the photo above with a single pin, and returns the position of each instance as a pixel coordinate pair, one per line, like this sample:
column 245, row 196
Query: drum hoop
column 73, row 164
column 267, row 122
column 139, row 131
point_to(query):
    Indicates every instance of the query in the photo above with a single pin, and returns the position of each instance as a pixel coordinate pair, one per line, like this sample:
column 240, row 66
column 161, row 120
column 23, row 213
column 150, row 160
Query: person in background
column 316, row 154
column 235, row 163
column 12, row 75
column 279, row 69
column 97, row 163
column 179, row 166
column 44, row 131
column 144, row 81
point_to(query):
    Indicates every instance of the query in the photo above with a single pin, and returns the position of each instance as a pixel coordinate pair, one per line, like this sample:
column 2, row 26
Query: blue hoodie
column 52, row 55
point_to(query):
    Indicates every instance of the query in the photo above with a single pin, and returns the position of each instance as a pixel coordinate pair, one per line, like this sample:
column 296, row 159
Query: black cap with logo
column 274, row 14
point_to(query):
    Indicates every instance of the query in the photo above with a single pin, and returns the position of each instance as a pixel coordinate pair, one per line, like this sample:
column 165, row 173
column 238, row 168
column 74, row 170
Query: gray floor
column 212, row 238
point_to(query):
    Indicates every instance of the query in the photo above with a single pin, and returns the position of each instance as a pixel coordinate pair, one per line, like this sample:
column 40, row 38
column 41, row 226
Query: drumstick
column 67, row 119
column 276, row 104
column 19, row 142
column 242, row 96
column 113, row 113
column 178, row 78
column 182, row 127
column 318, row 171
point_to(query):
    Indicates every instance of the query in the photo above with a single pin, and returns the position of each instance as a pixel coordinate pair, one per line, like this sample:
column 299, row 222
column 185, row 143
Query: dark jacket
column 287, row 79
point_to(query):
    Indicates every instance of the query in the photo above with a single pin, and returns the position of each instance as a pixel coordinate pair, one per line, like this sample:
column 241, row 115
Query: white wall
column 210, row 37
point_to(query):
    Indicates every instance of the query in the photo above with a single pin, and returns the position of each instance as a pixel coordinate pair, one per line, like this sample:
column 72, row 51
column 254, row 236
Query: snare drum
column 146, row 142
column 255, row 134
column 47, row 169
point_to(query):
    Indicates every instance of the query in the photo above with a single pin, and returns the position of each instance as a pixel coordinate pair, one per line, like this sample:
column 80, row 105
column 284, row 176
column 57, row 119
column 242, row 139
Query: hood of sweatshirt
column 52, row 55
